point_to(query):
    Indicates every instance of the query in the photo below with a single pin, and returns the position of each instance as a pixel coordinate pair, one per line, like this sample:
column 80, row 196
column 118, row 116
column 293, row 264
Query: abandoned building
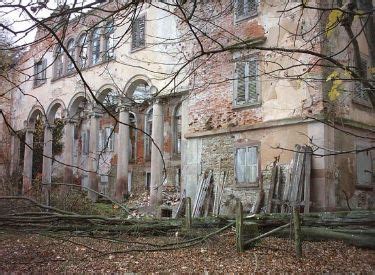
column 136, row 119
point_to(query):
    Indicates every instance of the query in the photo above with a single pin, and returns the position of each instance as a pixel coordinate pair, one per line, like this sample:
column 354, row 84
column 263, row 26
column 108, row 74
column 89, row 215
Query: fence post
column 188, row 213
column 297, row 231
column 239, row 226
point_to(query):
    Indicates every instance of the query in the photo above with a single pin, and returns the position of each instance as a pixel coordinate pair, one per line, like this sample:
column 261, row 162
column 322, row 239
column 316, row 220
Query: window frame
column 245, row 16
column 83, row 47
column 71, row 50
column 138, row 47
column 246, row 145
column 360, row 95
column 58, row 71
column 43, row 71
column 247, row 59
column 95, row 48
column 109, row 36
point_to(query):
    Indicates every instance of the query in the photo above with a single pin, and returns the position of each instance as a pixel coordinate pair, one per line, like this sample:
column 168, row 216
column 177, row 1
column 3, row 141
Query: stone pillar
column 156, row 158
column 93, row 157
column 68, row 151
column 28, row 161
column 47, row 161
column 121, row 188
column 15, row 154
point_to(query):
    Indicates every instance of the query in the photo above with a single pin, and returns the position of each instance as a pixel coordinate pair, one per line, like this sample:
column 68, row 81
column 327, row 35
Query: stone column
column 156, row 158
column 15, row 154
column 28, row 161
column 121, row 188
column 47, row 161
column 68, row 151
column 93, row 157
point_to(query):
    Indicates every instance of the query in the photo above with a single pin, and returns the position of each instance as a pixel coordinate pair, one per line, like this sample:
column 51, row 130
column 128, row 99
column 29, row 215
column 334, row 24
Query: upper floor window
column 246, row 165
column 82, row 51
column 138, row 33
column 109, row 41
column 246, row 83
column 361, row 95
column 245, row 8
column 59, row 61
column 40, row 68
column 106, row 139
column 69, row 63
column 95, row 46
column 177, row 130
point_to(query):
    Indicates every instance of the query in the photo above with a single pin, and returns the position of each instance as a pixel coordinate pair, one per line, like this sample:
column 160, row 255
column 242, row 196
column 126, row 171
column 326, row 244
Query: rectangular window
column 361, row 95
column 246, row 165
column 245, row 8
column 365, row 165
column 246, row 83
column 138, row 33
column 40, row 69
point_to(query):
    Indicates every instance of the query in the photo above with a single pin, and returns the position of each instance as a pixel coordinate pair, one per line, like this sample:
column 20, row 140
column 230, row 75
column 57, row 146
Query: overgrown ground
column 61, row 253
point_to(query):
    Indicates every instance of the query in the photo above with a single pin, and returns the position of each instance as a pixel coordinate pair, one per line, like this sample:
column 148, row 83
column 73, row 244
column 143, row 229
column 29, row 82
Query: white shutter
column 241, row 165
column 252, row 164
column 252, row 83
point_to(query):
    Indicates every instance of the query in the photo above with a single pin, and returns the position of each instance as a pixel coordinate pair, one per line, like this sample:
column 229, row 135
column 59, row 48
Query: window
column 40, row 69
column 246, row 83
column 59, row 62
column 109, row 41
column 245, row 8
column 177, row 130
column 70, row 48
column 360, row 93
column 246, row 165
column 138, row 33
column 365, row 165
column 95, row 46
column 148, row 130
column 82, row 51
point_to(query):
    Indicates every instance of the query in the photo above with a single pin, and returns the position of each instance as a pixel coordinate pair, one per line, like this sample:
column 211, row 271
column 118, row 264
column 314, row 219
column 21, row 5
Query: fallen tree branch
column 248, row 243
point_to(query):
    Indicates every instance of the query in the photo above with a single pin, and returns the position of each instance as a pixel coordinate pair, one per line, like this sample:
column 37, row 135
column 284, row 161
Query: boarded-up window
column 138, row 33
column 245, row 8
column 246, row 165
column 365, row 165
column 246, row 83
column 40, row 69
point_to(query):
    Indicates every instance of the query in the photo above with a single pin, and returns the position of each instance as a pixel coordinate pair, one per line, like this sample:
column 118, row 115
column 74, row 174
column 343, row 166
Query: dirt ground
column 23, row 252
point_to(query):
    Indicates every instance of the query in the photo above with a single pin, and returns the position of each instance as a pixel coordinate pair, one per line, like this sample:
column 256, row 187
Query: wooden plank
column 272, row 188
column 306, row 196
column 286, row 188
column 296, row 176
column 222, row 191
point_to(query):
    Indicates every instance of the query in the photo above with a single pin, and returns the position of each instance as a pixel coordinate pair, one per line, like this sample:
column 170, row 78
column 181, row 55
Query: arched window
column 148, row 130
column 132, row 136
column 95, row 46
column 59, row 61
column 177, row 130
column 69, row 63
column 82, row 50
column 109, row 41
